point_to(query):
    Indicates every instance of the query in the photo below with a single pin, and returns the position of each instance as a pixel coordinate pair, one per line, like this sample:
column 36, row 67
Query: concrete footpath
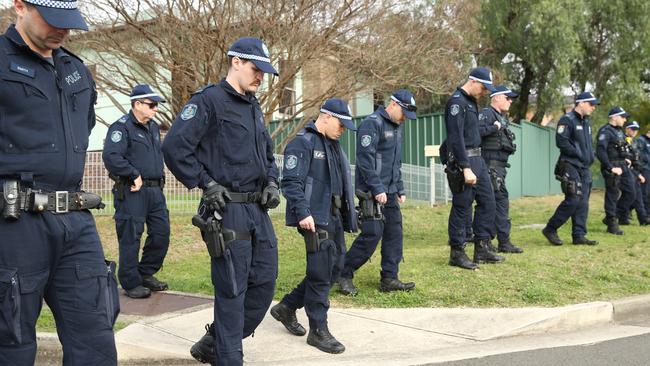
column 411, row 336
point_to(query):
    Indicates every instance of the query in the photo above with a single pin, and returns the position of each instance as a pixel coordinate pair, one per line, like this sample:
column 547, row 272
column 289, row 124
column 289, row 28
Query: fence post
column 432, row 151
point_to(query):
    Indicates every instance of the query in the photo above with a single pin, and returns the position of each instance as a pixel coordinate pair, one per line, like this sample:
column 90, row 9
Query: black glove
column 270, row 196
column 215, row 196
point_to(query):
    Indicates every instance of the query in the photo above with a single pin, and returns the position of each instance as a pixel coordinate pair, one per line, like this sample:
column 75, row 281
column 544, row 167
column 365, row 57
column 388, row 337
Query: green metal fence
column 531, row 171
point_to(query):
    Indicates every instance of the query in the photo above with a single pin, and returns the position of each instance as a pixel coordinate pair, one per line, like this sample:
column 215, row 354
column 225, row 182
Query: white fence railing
column 180, row 200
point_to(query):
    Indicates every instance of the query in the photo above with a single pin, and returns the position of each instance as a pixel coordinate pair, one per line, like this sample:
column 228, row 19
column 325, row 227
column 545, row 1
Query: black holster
column 120, row 186
column 496, row 180
column 455, row 177
column 569, row 187
column 368, row 208
column 313, row 240
column 611, row 180
column 212, row 234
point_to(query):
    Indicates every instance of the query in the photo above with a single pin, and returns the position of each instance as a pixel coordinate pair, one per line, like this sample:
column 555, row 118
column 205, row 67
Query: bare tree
column 339, row 47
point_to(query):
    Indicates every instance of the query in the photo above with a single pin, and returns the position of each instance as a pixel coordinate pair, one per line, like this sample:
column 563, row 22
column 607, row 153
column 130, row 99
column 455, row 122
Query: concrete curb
column 561, row 319
column 631, row 307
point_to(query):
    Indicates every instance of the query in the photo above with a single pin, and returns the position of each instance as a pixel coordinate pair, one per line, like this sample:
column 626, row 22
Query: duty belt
column 245, row 197
column 153, row 182
column 473, row 152
column 58, row 201
column 498, row 164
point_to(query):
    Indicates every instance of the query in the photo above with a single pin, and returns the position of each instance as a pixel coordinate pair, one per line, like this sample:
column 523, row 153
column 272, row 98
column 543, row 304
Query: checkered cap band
column 585, row 100
column 247, row 56
column 142, row 96
column 54, row 4
column 480, row 80
column 323, row 110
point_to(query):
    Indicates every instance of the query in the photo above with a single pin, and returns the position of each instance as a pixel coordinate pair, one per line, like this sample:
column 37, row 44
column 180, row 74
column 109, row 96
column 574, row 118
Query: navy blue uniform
column 462, row 123
column 573, row 138
column 612, row 153
column 496, row 146
column 316, row 170
column 379, row 159
column 46, row 114
column 643, row 146
column 132, row 149
column 636, row 170
column 220, row 135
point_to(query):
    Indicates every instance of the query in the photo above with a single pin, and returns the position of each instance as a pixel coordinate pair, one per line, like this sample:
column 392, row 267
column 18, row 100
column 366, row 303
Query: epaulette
column 67, row 51
column 123, row 119
column 201, row 89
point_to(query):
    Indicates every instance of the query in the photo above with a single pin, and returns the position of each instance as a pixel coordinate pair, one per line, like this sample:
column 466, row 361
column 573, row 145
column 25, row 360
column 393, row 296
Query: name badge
column 24, row 70
column 319, row 154
column 578, row 127
column 389, row 134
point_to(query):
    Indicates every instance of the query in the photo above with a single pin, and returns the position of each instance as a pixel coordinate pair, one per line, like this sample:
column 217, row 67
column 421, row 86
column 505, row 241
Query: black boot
column 612, row 226
column 583, row 240
column 322, row 339
column 203, row 350
column 138, row 292
column 508, row 247
column 483, row 254
column 287, row 316
column 346, row 286
column 458, row 258
column 643, row 221
column 624, row 220
column 551, row 236
column 154, row 284
column 393, row 284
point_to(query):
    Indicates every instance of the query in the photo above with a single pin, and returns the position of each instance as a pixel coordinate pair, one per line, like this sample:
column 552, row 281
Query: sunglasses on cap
column 408, row 107
column 151, row 105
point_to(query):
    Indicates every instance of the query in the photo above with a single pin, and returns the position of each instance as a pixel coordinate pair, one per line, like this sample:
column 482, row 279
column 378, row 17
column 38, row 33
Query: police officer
column 50, row 248
column 497, row 144
column 380, row 188
column 614, row 159
column 317, row 184
column 573, row 138
column 643, row 146
column 636, row 167
column 134, row 160
column 468, row 174
column 219, row 143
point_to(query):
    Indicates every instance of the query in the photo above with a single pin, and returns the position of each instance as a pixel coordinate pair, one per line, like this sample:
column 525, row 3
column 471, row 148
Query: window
column 288, row 94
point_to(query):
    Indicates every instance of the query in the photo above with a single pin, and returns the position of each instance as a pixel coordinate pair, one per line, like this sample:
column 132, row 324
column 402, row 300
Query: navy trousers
column 502, row 217
column 461, row 209
column 146, row 206
column 58, row 258
column 243, row 279
column 323, row 269
column 621, row 207
column 389, row 231
column 575, row 207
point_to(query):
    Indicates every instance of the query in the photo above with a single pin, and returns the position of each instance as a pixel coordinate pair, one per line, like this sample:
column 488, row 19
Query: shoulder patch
column 366, row 140
column 560, row 129
column 116, row 136
column 602, row 137
column 291, row 162
column 189, row 111
column 454, row 109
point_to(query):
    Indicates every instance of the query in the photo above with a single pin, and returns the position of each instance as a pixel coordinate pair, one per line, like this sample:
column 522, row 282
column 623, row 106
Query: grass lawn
column 544, row 275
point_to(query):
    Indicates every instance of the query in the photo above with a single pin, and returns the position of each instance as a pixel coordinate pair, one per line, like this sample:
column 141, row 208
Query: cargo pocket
column 230, row 273
column 10, row 331
column 112, row 296
column 265, row 261
column 90, row 286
